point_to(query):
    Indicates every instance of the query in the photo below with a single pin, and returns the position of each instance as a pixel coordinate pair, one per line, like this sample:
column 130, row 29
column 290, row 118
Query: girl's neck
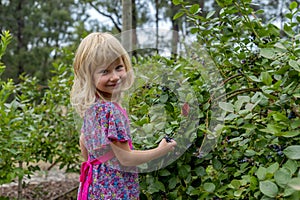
column 108, row 97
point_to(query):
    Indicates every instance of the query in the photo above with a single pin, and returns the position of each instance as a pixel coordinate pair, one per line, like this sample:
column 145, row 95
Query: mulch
column 47, row 190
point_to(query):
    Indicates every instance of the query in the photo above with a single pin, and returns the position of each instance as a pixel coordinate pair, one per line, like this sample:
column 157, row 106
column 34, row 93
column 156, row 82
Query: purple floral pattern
column 104, row 122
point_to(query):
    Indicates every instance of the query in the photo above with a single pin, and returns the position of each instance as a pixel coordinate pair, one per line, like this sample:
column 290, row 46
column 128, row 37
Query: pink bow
column 86, row 173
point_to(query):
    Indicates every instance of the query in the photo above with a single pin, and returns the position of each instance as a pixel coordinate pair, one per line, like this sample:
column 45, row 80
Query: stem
column 247, row 18
column 237, row 92
column 20, row 180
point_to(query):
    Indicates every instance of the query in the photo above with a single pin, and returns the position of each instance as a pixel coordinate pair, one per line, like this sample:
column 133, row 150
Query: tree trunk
column 175, row 32
column 134, row 26
column 156, row 24
column 20, row 42
column 20, row 185
column 202, row 4
column 126, row 35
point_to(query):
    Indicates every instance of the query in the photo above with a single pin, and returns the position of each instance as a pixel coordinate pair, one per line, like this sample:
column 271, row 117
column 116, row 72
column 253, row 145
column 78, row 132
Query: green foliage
column 37, row 123
column 5, row 40
column 257, row 152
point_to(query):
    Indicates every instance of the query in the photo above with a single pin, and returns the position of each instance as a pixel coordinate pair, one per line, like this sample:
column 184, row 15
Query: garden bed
column 51, row 185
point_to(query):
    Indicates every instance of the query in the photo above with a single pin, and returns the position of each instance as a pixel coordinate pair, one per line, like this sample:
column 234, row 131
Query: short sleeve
column 104, row 122
column 116, row 123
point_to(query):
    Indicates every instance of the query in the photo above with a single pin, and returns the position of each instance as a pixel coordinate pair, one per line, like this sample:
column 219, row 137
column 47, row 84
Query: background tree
column 38, row 27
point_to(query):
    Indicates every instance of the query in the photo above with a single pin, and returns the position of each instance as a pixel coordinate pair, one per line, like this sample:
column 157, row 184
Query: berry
column 168, row 139
column 292, row 115
column 185, row 109
column 164, row 89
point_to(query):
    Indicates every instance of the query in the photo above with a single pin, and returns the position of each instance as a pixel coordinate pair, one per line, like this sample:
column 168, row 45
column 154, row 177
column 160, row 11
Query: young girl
column 102, row 72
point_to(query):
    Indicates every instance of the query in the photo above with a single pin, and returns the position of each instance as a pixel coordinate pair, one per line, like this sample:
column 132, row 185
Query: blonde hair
column 96, row 50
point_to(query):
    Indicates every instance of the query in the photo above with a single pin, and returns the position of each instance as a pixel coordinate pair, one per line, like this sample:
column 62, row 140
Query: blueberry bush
column 256, row 154
column 37, row 123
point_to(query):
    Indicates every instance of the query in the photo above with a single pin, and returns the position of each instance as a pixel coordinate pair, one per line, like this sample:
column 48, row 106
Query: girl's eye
column 119, row 67
column 103, row 71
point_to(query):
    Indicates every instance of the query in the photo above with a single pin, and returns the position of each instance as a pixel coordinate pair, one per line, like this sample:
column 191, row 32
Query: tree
column 127, row 24
column 38, row 28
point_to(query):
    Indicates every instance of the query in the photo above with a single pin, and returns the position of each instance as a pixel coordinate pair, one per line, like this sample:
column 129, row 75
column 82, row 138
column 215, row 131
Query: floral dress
column 105, row 122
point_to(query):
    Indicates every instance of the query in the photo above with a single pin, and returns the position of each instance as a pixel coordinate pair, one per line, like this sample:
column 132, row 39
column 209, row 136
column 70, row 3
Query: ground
column 51, row 184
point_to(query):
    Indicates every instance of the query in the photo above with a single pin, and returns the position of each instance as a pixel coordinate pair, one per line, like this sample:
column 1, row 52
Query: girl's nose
column 114, row 77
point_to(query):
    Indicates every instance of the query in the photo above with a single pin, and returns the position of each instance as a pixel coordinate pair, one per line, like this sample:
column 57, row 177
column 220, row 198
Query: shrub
column 256, row 154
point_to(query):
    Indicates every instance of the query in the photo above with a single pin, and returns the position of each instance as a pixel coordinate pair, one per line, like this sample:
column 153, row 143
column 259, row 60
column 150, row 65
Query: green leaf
column 280, row 46
column 239, row 103
column 273, row 168
column 277, row 116
column 184, row 171
column 226, row 106
column 172, row 183
column 217, row 164
column 295, row 124
column 192, row 191
column 268, row 188
column 164, row 172
column 289, row 134
column 293, row 5
column 273, row 129
column 177, row 15
column 210, row 14
column 294, row 64
column 295, row 183
column 209, row 187
column 194, row 9
column 288, row 30
column 164, row 98
column 200, row 171
column 291, row 165
column 288, row 192
column 282, row 177
column 254, row 78
column 156, row 186
column 176, row 2
column 148, row 128
column 261, row 173
column 238, row 193
column 194, row 30
column 297, row 95
column 250, row 152
column 292, row 152
column 267, row 53
column 266, row 78
column 235, row 184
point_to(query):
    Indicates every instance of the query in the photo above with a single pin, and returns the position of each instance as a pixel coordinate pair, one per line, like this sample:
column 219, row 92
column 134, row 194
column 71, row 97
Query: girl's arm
column 84, row 151
column 128, row 157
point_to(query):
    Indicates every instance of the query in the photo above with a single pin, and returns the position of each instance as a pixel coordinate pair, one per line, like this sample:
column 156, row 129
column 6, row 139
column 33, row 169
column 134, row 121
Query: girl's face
column 109, row 80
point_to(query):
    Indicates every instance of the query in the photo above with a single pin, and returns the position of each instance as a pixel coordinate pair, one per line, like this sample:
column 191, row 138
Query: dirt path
column 48, row 185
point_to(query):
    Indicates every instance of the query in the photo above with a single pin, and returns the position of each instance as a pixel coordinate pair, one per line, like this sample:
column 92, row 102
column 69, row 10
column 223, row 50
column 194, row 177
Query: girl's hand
column 170, row 145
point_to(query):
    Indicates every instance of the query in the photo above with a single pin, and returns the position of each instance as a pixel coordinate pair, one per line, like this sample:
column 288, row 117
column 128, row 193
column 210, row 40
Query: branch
column 237, row 92
column 106, row 15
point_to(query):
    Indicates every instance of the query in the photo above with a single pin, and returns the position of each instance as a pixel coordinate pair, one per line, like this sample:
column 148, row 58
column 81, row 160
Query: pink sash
column 86, row 173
